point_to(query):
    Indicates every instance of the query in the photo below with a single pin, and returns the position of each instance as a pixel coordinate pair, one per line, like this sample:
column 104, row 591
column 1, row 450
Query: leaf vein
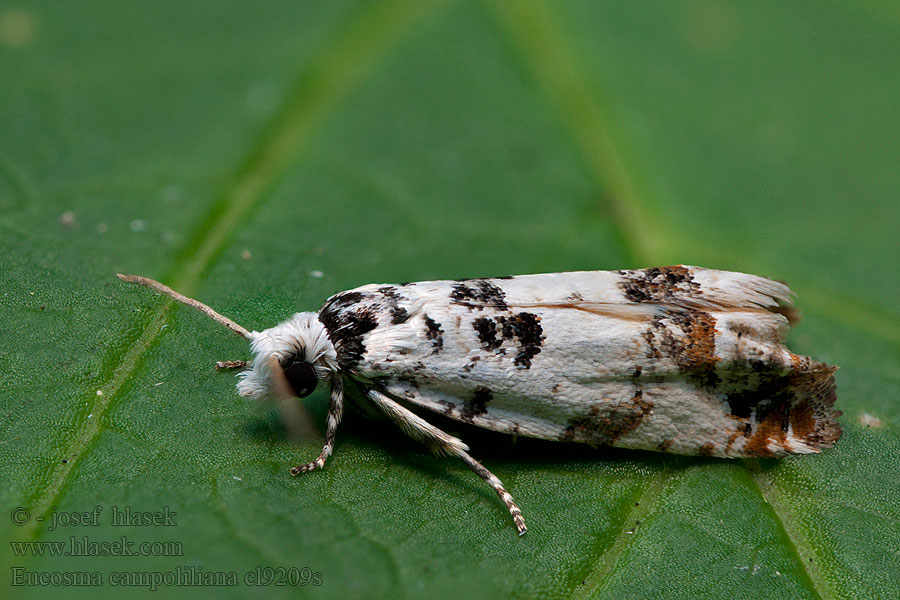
column 342, row 63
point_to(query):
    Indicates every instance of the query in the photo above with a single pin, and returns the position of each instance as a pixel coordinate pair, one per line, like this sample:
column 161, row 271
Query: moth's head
column 296, row 353
column 290, row 359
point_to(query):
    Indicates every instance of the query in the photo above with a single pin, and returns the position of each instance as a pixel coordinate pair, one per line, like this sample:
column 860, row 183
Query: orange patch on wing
column 803, row 420
column 701, row 333
column 770, row 430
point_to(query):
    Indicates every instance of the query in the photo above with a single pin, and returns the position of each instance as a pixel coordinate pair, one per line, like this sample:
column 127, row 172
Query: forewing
column 656, row 368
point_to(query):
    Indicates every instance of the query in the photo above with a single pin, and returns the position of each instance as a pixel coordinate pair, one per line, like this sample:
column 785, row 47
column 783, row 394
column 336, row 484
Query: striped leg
column 335, row 410
column 223, row 365
column 420, row 430
column 495, row 483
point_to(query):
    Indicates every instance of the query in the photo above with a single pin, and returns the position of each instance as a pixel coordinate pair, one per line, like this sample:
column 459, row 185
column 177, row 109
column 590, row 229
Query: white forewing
column 678, row 359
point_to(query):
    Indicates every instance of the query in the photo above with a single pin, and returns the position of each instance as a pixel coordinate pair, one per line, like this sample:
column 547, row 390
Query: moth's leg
column 420, row 430
column 335, row 410
column 233, row 364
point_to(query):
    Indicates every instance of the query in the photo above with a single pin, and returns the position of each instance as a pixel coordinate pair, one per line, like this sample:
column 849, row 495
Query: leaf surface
column 263, row 158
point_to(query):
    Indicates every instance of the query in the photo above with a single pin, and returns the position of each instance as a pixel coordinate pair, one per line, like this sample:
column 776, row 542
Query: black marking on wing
column 477, row 404
column 524, row 328
column 341, row 302
column 399, row 315
column 658, row 285
column 478, row 293
column 434, row 334
column 461, row 279
column 392, row 299
column 769, row 389
column 347, row 318
column 487, row 332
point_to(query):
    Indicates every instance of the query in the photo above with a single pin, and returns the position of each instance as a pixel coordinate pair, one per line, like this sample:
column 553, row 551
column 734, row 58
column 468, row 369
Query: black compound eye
column 302, row 377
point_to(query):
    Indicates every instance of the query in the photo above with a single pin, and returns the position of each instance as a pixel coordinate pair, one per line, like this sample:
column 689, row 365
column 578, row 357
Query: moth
column 675, row 359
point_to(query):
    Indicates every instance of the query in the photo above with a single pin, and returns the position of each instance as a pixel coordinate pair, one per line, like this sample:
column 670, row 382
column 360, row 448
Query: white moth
column 674, row 359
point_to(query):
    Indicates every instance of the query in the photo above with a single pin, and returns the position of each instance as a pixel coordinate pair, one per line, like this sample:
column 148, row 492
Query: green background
column 263, row 156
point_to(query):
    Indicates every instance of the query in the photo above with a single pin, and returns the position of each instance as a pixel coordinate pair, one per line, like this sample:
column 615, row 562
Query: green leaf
column 263, row 157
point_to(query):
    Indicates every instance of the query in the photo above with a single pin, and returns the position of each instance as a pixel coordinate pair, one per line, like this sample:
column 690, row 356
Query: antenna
column 163, row 289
